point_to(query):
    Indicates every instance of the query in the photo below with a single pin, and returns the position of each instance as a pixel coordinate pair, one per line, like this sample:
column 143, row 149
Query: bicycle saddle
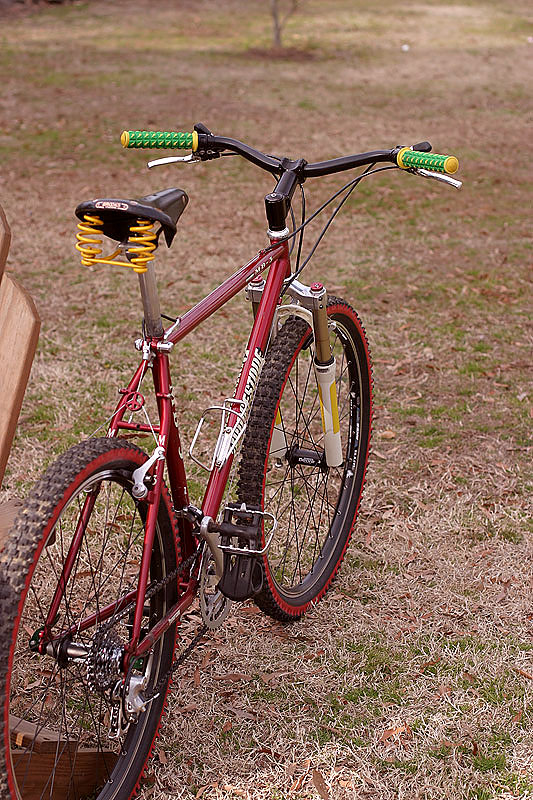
column 117, row 214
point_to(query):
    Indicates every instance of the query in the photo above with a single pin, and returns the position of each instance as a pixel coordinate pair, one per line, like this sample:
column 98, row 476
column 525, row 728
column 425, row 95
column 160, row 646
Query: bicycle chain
column 177, row 663
column 150, row 592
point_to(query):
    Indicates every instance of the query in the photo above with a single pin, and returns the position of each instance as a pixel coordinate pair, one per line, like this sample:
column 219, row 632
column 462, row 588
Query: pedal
column 240, row 541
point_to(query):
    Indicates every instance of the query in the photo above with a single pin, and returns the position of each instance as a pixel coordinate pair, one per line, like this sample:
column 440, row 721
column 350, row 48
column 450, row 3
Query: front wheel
column 283, row 467
column 58, row 707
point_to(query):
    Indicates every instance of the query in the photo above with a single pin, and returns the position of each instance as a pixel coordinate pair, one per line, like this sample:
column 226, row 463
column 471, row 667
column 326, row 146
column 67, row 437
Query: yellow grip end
column 125, row 138
column 398, row 157
column 451, row 165
column 194, row 141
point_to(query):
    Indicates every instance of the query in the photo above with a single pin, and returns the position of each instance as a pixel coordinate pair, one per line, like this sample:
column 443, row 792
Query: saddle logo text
column 113, row 204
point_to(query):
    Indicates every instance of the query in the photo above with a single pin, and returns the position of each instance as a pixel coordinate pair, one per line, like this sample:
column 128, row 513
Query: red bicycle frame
column 155, row 353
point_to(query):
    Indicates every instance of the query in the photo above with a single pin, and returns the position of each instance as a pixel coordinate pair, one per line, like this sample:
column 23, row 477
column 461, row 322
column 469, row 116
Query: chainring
column 214, row 606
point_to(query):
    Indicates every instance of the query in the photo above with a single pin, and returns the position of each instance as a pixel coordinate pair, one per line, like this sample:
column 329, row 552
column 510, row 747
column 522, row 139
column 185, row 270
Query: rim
column 312, row 502
column 56, row 702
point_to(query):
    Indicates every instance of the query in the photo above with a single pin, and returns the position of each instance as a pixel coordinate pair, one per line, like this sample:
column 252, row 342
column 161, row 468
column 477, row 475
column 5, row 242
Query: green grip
column 413, row 159
column 167, row 140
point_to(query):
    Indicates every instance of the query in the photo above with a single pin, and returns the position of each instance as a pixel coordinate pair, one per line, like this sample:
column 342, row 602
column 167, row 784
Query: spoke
column 299, row 414
column 58, row 756
column 314, row 403
column 316, row 527
column 328, row 504
column 127, row 547
column 282, row 484
column 28, row 765
column 294, row 517
column 343, row 413
column 286, row 547
column 309, row 514
column 108, row 527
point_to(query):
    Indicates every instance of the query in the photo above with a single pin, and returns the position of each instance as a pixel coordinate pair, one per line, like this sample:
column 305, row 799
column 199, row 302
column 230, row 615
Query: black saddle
column 117, row 215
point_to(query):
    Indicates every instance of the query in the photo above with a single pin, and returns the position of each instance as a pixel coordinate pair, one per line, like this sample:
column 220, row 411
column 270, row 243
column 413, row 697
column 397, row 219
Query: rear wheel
column 57, row 742
column 283, row 467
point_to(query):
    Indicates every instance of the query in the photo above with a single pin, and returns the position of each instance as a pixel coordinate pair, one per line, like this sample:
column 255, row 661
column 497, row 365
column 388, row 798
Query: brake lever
column 438, row 176
column 190, row 159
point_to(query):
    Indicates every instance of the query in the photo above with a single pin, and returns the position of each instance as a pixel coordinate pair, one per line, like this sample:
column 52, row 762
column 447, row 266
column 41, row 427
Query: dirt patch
column 281, row 54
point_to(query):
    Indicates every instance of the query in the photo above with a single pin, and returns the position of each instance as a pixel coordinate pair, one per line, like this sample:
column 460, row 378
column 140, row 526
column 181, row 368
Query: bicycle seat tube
column 152, row 311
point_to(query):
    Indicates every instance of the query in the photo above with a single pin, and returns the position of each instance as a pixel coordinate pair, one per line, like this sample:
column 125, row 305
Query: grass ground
column 414, row 678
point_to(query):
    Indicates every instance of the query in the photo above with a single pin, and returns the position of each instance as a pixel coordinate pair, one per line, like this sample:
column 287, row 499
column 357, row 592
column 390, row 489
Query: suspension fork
column 310, row 303
column 324, row 363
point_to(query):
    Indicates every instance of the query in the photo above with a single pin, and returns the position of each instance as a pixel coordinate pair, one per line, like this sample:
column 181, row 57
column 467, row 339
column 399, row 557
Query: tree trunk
column 277, row 25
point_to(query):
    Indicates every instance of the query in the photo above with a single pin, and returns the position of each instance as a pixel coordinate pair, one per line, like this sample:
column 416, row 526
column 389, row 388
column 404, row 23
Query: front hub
column 308, row 458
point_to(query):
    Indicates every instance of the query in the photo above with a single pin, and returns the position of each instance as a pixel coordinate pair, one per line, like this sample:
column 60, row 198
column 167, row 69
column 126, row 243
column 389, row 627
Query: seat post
column 152, row 311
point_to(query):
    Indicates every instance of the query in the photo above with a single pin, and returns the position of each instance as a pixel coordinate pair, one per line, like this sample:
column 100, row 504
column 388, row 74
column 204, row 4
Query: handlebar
column 207, row 145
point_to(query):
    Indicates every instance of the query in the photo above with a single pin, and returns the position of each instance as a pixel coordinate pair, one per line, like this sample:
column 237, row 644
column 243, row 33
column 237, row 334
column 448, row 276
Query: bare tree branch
column 278, row 23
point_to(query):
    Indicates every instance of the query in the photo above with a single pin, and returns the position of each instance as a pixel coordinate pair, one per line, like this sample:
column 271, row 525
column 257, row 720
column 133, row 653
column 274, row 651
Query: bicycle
column 105, row 560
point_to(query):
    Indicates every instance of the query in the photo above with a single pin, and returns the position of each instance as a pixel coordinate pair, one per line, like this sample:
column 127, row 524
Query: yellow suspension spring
column 89, row 241
column 142, row 242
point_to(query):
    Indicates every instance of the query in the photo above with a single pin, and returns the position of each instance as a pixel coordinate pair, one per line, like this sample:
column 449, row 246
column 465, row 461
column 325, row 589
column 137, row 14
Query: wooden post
column 45, row 753
column 5, row 241
column 8, row 405
column 19, row 332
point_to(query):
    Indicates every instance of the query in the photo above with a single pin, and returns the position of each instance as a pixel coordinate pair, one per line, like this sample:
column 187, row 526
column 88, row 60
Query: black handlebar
column 291, row 173
column 209, row 145
column 349, row 162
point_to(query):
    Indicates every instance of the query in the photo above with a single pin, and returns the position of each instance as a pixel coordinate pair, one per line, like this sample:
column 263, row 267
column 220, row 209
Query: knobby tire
column 33, row 688
column 315, row 505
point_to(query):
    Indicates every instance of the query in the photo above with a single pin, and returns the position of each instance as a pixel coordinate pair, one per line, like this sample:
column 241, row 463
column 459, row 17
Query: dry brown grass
column 414, row 678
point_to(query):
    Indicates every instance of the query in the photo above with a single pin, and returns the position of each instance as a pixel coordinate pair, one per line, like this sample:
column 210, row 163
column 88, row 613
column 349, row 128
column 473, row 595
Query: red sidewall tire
column 280, row 361
column 24, row 548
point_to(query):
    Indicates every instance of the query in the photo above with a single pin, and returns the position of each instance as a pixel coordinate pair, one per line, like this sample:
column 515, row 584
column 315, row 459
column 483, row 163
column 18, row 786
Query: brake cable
column 348, row 188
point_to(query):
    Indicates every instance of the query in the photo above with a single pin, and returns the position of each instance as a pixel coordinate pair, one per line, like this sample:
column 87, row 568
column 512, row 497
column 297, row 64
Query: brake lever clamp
column 207, row 155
